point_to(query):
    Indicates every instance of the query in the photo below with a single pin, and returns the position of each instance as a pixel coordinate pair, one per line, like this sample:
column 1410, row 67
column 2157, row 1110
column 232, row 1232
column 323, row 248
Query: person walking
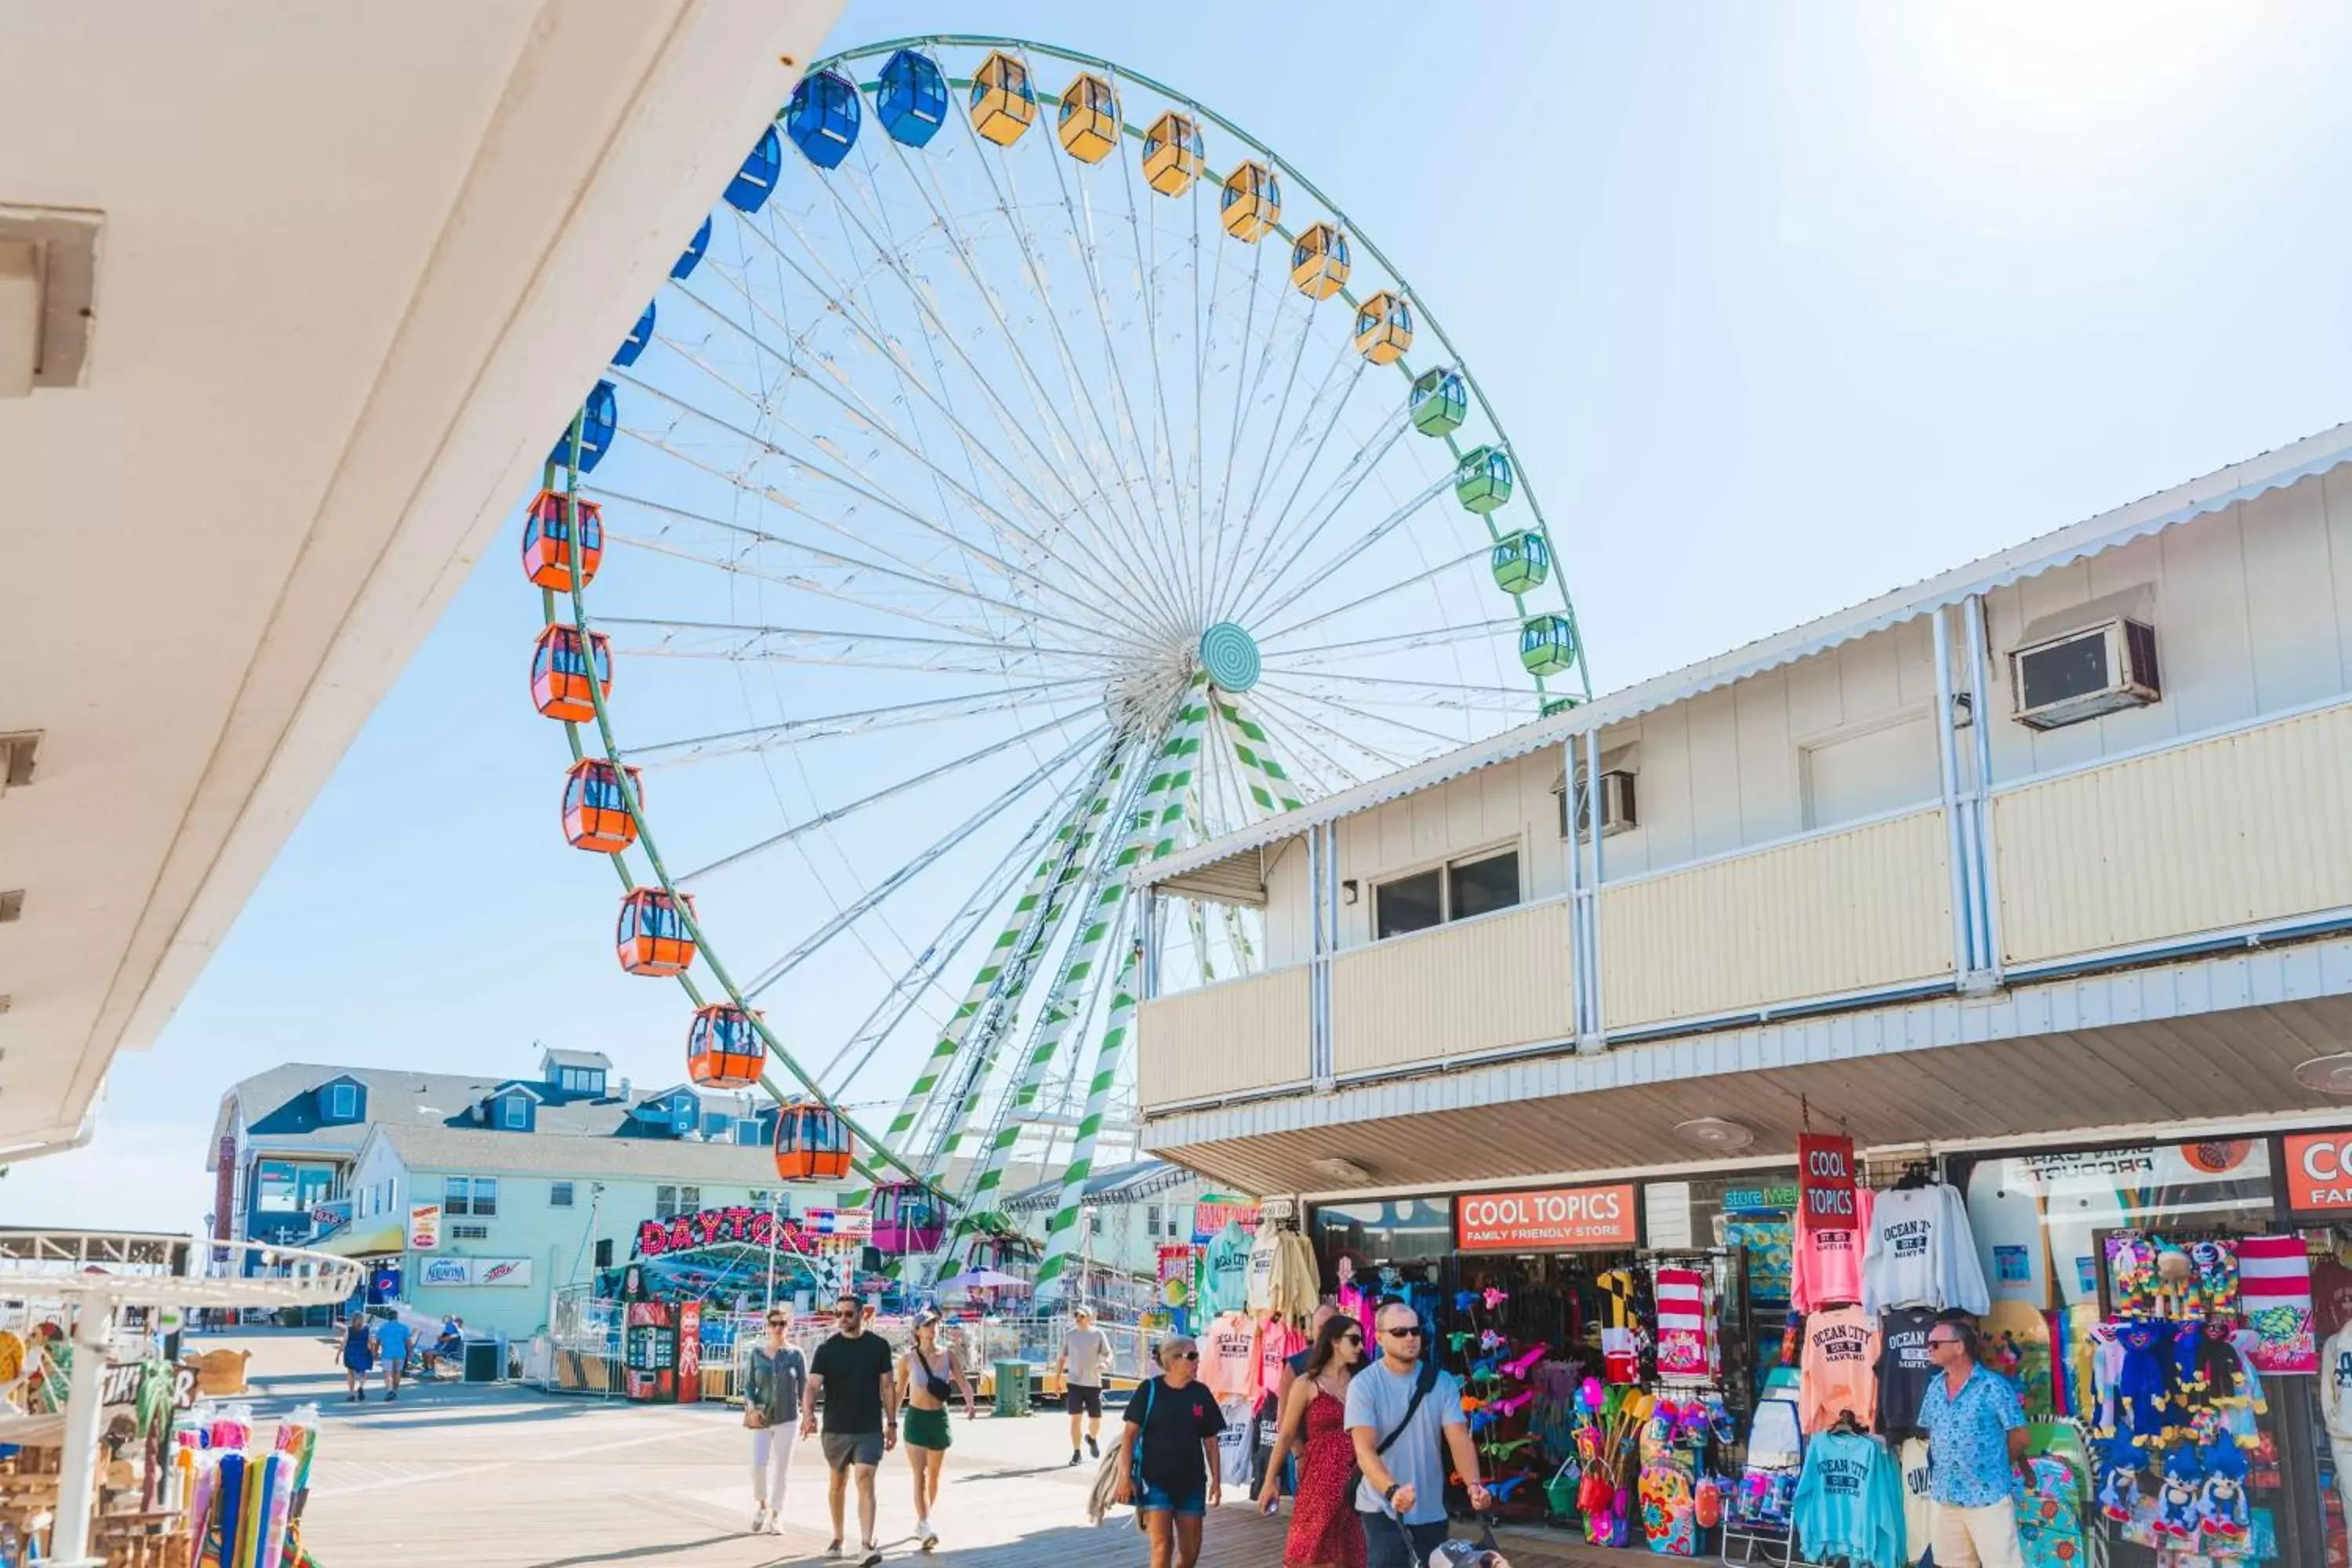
column 1324, row 1529
column 1404, row 1417
column 392, row 1338
column 1975, row 1439
column 927, row 1378
column 1080, row 1362
column 358, row 1358
column 852, row 1374
column 775, row 1380
column 1168, row 1454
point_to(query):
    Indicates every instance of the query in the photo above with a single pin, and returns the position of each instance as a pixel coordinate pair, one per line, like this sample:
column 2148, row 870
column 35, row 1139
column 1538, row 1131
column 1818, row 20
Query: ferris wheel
column 1024, row 471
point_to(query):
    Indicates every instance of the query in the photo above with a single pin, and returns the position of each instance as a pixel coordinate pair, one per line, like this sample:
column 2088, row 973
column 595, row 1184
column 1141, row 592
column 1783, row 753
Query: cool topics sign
column 1545, row 1219
column 2319, row 1170
column 1825, row 1183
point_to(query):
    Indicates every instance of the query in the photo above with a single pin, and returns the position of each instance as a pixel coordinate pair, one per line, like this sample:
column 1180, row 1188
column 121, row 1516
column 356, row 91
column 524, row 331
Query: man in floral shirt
column 1975, row 1439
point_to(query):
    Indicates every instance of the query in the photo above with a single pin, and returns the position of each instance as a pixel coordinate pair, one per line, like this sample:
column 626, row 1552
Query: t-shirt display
column 1277, row 1343
column 1258, row 1285
column 1850, row 1502
column 1828, row 1266
column 1838, row 1373
column 1225, row 1270
column 1174, row 1422
column 853, row 1368
column 1903, row 1368
column 1918, row 1499
column 1919, row 1251
column 1229, row 1356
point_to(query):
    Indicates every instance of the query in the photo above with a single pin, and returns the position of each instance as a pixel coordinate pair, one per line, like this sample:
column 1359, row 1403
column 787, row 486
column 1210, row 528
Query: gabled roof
column 595, row 1061
column 490, row 1153
column 518, row 1086
column 279, row 1107
column 1227, row 867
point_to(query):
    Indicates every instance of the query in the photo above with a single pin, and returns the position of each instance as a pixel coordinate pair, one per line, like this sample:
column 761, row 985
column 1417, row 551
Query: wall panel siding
column 1222, row 1039
column 1837, row 912
column 1485, row 986
column 2246, row 828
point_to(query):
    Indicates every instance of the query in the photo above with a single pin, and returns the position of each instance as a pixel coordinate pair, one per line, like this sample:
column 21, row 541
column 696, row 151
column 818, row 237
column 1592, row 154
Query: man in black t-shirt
column 852, row 1376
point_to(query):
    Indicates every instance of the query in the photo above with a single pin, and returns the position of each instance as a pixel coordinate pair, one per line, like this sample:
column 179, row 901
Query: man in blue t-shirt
column 1975, row 1439
column 1406, row 1420
column 393, row 1339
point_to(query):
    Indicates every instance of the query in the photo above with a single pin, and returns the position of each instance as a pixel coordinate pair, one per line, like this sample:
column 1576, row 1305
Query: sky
column 1784, row 305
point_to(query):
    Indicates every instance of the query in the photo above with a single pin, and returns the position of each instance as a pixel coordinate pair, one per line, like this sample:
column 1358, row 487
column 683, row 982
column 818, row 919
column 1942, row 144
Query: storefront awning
column 383, row 1241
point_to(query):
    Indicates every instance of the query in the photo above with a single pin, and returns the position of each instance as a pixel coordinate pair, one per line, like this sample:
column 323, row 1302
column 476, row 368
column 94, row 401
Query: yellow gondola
column 1252, row 204
column 1088, row 125
column 1172, row 156
column 1004, row 104
column 1383, row 328
column 1319, row 262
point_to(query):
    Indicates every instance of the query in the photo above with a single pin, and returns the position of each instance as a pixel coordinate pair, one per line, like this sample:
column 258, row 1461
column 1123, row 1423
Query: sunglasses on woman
column 1183, row 1355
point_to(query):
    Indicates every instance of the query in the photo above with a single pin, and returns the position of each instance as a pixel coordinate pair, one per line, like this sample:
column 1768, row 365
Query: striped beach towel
column 2274, row 1291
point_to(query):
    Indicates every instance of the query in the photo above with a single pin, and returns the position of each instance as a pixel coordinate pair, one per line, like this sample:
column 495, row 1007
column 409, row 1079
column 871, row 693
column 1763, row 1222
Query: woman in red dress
column 1324, row 1529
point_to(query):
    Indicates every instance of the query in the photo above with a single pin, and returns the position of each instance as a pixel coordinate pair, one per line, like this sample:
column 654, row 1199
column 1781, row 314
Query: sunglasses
column 1942, row 1344
column 1183, row 1355
column 1352, row 1339
column 1402, row 1333
column 779, row 1324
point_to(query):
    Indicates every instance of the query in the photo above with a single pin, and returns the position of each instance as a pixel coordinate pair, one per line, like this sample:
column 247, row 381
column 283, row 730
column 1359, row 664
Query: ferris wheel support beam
column 1328, row 502
column 1304, row 726
column 855, row 722
column 1270, row 786
column 1365, row 540
column 1106, row 896
column 1266, row 641
column 1178, row 762
column 1009, row 943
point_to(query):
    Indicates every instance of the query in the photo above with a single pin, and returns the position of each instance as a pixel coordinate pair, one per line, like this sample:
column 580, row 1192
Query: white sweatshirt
column 2336, row 1382
column 1921, row 1249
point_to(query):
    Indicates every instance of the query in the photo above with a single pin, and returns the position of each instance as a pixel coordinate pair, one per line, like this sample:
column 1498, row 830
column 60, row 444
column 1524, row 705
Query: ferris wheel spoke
column 857, row 721
column 1430, row 691
column 1342, row 355
column 1324, row 617
column 1143, row 224
column 1305, row 658
column 1361, row 466
column 1379, row 531
column 833, row 643
column 959, row 247
column 1009, row 201
column 842, row 812
column 816, row 941
column 1334, row 705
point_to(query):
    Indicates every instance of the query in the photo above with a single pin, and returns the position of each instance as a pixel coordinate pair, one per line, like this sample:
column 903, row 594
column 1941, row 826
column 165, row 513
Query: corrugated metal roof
column 1124, row 1184
column 2213, row 492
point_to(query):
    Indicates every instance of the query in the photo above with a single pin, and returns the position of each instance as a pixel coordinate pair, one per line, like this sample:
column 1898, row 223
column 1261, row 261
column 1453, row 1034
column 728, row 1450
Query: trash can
column 1013, row 1388
column 482, row 1360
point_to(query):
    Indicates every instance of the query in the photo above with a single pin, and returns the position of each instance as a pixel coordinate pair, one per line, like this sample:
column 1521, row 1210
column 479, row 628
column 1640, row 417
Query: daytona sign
column 1545, row 1219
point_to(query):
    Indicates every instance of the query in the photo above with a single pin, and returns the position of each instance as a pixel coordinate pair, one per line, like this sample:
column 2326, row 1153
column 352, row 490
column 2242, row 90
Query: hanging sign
column 1175, row 1275
column 445, row 1271
column 120, row 1383
column 1825, row 1182
column 689, row 1352
column 1209, row 1219
column 856, row 1223
column 425, row 1227
column 758, row 1227
column 2319, row 1170
column 1545, row 1219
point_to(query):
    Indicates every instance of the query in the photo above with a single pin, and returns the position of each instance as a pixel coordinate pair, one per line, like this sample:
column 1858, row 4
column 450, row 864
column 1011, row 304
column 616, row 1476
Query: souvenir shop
column 1734, row 1365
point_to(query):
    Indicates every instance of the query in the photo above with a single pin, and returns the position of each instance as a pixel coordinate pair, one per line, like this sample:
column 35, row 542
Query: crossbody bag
column 1424, row 1381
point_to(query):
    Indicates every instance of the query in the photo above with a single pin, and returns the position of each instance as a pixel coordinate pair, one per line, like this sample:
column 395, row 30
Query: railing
column 2238, row 830
column 1228, row 1038
column 1477, row 986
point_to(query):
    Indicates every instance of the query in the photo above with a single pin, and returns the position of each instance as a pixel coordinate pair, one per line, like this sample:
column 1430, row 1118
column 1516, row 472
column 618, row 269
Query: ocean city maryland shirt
column 1229, row 1356
column 1838, row 1372
column 1849, row 1501
column 1225, row 1270
column 1968, row 1437
column 1827, row 1265
column 1919, row 1251
column 1903, row 1368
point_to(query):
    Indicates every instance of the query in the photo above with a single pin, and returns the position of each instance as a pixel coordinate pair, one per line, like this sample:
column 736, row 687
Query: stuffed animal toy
column 2178, row 1498
column 2120, row 1474
column 2223, row 1521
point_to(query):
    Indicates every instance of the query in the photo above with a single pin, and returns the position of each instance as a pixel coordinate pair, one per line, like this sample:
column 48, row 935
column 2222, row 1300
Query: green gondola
column 1521, row 560
column 1547, row 645
column 1482, row 480
column 1439, row 402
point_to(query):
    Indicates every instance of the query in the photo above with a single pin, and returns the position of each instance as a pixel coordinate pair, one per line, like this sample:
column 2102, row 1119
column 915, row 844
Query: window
column 761, row 1197
column 345, row 1101
column 664, row 1203
column 1869, row 769
column 514, row 1113
column 689, row 1199
column 470, row 1232
column 559, row 1195
column 1151, row 1219
column 1458, row 891
column 485, row 1196
column 457, row 1195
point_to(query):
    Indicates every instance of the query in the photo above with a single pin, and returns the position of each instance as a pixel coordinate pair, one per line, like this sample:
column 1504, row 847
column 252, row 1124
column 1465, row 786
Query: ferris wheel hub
column 1229, row 655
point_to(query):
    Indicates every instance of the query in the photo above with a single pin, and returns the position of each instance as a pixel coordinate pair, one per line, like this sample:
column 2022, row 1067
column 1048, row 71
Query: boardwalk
column 452, row 1475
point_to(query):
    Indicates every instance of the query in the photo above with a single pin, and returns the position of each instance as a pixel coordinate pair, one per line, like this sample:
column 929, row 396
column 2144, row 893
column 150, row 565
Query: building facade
column 2034, row 879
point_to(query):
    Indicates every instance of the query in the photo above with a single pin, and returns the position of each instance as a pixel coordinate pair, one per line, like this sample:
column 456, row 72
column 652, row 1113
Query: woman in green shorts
column 928, row 1377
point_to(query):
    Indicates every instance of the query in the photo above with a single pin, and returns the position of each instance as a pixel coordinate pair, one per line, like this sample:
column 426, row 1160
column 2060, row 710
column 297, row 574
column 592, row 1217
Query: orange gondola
column 547, row 542
column 559, row 674
column 723, row 1050
column 650, row 936
column 812, row 1144
column 595, row 813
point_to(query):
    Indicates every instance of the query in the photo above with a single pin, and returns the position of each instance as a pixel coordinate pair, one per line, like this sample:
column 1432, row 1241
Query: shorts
column 1193, row 1504
column 843, row 1449
column 1083, row 1399
column 927, row 1429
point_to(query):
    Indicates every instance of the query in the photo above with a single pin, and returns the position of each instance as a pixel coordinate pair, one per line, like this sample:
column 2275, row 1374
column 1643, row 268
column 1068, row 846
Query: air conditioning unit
column 1617, row 813
column 2094, row 669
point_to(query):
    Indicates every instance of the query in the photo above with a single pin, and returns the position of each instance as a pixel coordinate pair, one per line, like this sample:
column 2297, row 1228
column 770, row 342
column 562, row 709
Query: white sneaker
column 775, row 1524
column 930, row 1537
column 759, row 1520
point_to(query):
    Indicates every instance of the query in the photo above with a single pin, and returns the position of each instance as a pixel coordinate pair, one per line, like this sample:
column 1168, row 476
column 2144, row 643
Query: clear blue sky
column 1784, row 305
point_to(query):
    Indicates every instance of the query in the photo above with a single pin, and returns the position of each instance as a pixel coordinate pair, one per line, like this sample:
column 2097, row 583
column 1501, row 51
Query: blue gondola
column 634, row 343
column 600, row 414
column 913, row 101
column 691, row 257
column 823, row 117
column 748, row 191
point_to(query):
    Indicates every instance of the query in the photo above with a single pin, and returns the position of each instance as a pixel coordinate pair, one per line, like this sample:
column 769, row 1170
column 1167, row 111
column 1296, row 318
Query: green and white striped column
column 1169, row 787
column 1081, row 823
column 1270, row 786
